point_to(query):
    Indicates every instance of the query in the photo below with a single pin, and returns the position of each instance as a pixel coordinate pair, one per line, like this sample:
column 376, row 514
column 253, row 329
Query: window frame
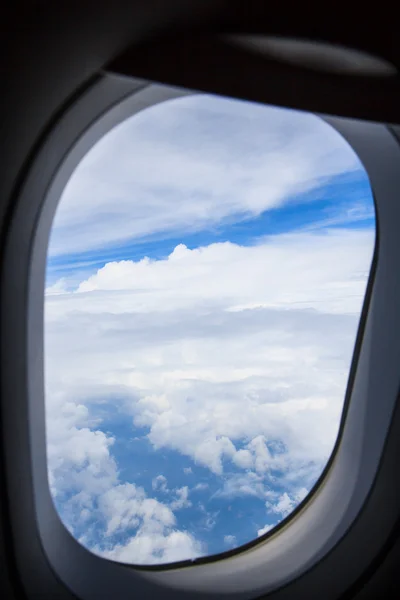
column 310, row 545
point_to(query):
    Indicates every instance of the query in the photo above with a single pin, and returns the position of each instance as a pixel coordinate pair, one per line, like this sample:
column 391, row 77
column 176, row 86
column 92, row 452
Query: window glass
column 206, row 271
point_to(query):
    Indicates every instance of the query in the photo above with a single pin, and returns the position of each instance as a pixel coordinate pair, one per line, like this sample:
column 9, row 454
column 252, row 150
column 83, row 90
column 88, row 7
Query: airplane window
column 206, row 272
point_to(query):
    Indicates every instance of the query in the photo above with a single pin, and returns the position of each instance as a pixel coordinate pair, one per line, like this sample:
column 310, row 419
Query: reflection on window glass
column 206, row 272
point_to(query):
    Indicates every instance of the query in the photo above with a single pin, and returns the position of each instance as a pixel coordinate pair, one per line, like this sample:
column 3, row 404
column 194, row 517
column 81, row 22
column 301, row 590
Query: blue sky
column 342, row 200
column 203, row 254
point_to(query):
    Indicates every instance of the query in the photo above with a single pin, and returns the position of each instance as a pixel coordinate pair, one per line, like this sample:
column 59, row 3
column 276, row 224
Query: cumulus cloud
column 282, row 271
column 126, row 506
column 264, row 530
column 204, row 331
column 85, row 484
column 243, row 459
column 153, row 548
column 79, row 460
column 284, row 504
column 174, row 155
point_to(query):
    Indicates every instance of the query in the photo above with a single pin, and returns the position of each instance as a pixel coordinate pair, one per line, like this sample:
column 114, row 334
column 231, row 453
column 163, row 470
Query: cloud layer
column 235, row 357
column 193, row 163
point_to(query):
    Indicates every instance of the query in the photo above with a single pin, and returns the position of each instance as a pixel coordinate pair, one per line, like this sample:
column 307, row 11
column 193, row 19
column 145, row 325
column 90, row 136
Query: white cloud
column 230, row 540
column 243, row 459
column 187, row 470
column 200, row 487
column 284, row 506
column 153, row 548
column 125, row 506
column 84, row 482
column 264, row 530
column 59, row 287
column 222, row 349
column 286, row 503
column 281, row 272
column 160, row 483
column 173, row 155
column 78, row 458
column 243, row 484
column 182, row 499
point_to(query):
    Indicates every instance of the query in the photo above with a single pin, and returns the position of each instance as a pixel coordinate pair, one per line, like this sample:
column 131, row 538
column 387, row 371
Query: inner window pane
column 206, row 272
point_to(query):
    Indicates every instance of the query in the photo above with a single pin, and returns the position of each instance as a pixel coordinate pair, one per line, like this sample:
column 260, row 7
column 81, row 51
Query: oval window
column 206, row 272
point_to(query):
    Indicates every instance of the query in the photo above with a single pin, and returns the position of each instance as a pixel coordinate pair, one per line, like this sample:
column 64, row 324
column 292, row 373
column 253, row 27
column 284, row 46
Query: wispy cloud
column 193, row 163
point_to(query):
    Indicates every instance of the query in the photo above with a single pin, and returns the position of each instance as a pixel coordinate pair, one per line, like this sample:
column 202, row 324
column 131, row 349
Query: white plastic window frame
column 338, row 524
